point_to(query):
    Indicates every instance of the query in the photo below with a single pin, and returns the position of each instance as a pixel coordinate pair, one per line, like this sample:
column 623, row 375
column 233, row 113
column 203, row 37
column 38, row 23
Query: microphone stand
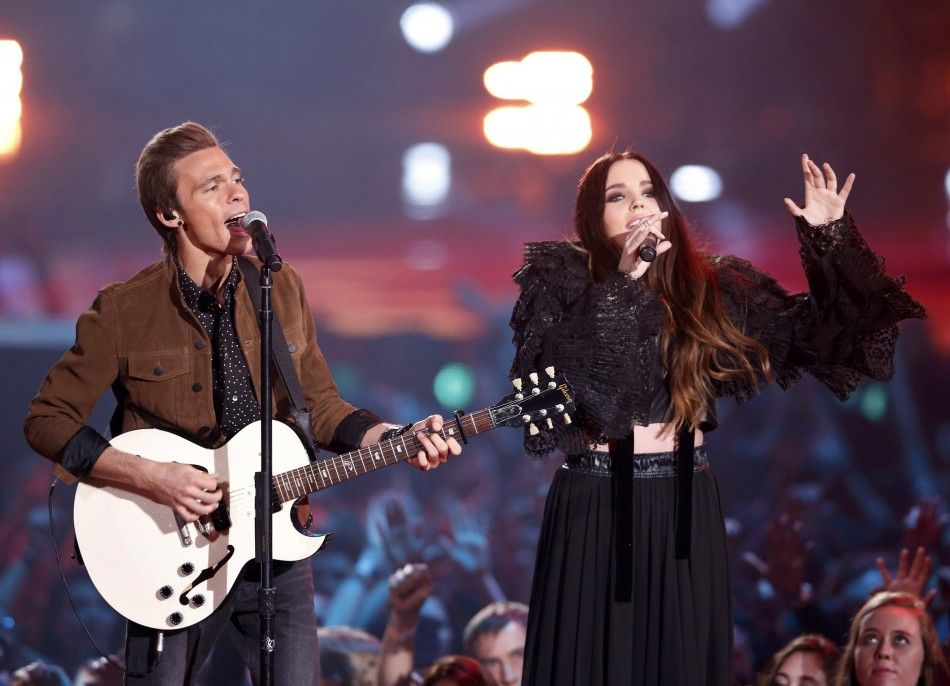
column 265, row 553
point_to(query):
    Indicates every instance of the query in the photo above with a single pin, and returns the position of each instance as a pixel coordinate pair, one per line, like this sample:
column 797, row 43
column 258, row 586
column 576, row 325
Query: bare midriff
column 652, row 439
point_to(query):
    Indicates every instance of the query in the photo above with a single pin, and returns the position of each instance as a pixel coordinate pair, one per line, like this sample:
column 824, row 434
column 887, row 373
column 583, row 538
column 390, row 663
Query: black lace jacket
column 605, row 337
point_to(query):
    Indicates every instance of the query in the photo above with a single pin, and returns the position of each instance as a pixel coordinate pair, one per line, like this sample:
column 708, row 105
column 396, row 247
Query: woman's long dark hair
column 700, row 344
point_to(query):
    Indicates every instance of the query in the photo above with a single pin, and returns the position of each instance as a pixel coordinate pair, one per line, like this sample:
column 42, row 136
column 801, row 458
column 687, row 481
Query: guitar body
column 162, row 575
column 159, row 573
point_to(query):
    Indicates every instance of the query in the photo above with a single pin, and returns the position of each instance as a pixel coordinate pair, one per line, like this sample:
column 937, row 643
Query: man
column 178, row 343
column 495, row 637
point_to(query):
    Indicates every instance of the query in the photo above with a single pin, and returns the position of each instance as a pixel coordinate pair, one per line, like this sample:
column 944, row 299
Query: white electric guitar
column 160, row 572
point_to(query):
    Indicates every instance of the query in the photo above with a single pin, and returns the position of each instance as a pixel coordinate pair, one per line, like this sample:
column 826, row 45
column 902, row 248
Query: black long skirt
column 676, row 630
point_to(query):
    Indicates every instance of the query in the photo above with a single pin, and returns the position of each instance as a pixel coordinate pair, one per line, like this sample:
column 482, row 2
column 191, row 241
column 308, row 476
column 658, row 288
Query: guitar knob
column 526, row 418
column 519, row 396
column 165, row 592
column 567, row 418
column 186, row 569
column 533, row 430
column 197, row 600
column 543, row 413
column 550, row 423
column 551, row 384
column 535, row 391
column 516, row 383
column 558, row 408
column 175, row 618
column 549, row 371
column 534, row 377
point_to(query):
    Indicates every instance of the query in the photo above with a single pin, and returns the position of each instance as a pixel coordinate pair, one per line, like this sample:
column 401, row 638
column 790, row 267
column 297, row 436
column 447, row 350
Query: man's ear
column 169, row 218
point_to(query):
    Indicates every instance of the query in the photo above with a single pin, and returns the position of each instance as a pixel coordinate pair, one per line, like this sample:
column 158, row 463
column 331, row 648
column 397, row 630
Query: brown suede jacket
column 140, row 339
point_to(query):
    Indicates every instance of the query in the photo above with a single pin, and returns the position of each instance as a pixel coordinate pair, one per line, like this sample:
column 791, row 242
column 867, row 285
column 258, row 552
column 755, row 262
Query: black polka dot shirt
column 235, row 403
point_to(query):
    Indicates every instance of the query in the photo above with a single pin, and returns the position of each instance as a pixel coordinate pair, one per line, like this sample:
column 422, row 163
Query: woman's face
column 801, row 668
column 628, row 197
column 890, row 649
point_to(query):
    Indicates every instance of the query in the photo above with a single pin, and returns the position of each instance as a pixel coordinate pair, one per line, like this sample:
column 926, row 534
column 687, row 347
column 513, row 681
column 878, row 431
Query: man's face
column 212, row 199
column 502, row 653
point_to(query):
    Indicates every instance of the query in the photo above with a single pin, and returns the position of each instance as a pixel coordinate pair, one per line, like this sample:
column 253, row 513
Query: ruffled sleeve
column 602, row 337
column 841, row 331
column 551, row 279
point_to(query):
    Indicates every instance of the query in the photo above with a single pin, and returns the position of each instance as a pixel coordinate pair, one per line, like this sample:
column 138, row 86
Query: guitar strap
column 281, row 357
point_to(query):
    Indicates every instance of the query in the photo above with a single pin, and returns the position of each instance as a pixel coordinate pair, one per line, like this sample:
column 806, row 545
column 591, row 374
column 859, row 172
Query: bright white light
column 695, row 183
column 426, row 175
column 427, row 26
column 505, row 80
column 946, row 184
column 540, row 129
column 544, row 77
column 11, row 107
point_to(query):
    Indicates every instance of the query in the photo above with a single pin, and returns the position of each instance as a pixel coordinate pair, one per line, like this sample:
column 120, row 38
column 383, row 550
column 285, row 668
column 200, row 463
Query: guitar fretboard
column 316, row 476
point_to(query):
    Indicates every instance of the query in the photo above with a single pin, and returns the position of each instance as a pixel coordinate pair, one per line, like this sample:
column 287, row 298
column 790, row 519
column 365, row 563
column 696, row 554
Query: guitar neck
column 296, row 483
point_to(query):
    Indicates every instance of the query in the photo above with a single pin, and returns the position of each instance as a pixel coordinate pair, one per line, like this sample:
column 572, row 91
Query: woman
column 892, row 641
column 807, row 659
column 631, row 581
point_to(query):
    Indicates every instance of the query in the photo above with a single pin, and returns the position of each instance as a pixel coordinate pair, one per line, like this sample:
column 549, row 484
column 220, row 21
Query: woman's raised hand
column 823, row 201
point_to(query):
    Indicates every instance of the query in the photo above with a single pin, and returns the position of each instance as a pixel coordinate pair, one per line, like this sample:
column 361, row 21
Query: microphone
column 255, row 225
column 647, row 249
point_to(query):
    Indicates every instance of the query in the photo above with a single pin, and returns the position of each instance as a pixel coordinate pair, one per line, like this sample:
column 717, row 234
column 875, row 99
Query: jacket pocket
column 156, row 382
column 159, row 366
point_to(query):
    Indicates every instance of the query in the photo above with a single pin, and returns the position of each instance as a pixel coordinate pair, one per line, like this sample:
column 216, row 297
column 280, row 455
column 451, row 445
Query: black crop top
column 605, row 337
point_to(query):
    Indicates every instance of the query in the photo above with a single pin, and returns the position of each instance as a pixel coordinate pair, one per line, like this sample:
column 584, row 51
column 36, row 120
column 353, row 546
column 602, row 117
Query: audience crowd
column 839, row 544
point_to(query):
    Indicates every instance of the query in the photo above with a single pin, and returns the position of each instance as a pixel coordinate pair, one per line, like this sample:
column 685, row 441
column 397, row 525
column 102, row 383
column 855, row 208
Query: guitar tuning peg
column 534, row 378
column 533, row 429
column 550, row 423
column 567, row 418
column 516, row 383
column 549, row 371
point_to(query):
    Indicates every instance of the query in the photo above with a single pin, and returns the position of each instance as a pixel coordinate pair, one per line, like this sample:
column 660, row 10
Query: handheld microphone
column 255, row 225
column 647, row 249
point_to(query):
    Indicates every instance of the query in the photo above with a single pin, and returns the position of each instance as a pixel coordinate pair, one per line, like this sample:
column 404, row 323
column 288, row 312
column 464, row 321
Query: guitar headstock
column 538, row 402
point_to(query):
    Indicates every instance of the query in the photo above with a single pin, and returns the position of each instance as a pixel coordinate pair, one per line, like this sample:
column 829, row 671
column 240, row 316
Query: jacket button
column 158, row 370
column 291, row 348
column 196, row 386
column 200, row 345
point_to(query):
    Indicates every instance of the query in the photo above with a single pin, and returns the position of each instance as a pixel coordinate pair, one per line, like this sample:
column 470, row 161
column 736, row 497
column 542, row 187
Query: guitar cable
column 156, row 649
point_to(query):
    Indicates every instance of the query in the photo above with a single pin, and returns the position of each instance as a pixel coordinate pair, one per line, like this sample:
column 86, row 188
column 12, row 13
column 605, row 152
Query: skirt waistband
column 645, row 466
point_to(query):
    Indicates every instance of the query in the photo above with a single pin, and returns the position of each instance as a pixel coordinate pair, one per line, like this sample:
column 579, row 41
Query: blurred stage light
column 539, row 129
column 728, row 14
column 11, row 108
column 946, row 184
column 426, row 176
column 454, row 385
column 874, row 402
column 427, row 26
column 555, row 83
column 696, row 183
column 556, row 78
column 347, row 378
